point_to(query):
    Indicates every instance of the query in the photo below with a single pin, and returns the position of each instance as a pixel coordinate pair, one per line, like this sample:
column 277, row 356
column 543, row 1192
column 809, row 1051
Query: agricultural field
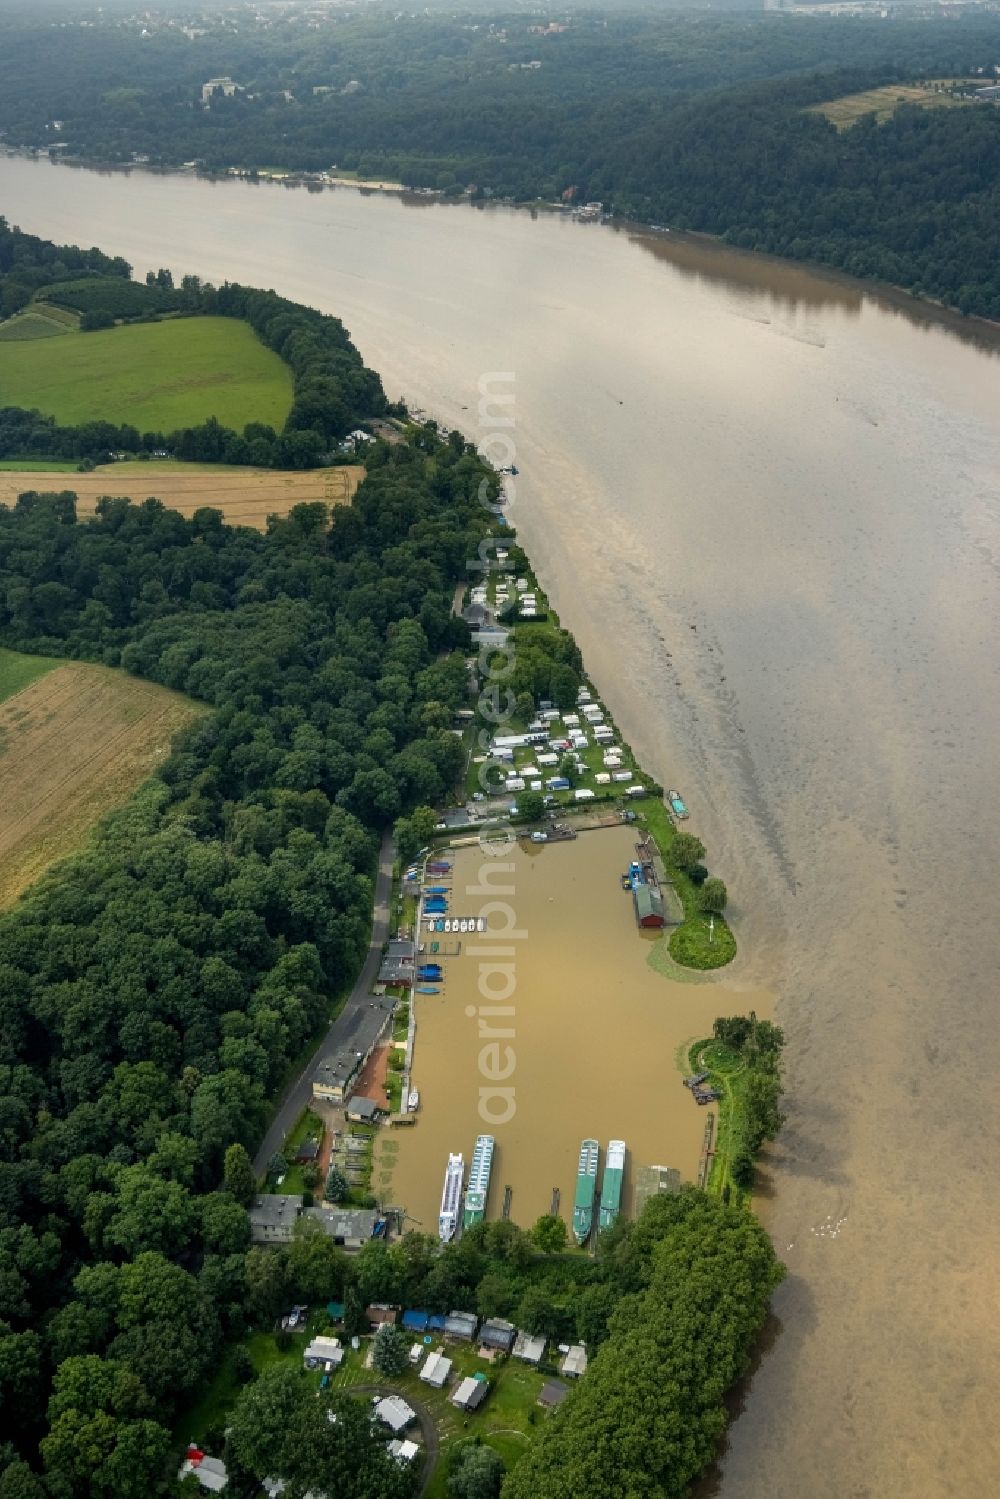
column 75, row 741
column 882, row 102
column 246, row 496
column 154, row 376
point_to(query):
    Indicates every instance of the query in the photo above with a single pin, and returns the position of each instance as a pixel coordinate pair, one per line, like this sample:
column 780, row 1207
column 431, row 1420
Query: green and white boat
column 479, row 1181
column 586, row 1188
column 611, row 1185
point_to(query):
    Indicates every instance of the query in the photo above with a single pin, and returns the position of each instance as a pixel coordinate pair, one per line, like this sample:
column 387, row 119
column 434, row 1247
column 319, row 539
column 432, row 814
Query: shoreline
column 973, row 326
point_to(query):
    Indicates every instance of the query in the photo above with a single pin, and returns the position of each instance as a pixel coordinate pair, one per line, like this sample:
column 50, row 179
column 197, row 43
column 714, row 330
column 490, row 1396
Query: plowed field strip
column 74, row 745
column 246, row 497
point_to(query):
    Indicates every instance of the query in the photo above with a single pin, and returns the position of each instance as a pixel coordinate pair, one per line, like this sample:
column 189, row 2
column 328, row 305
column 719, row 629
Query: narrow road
column 344, row 1028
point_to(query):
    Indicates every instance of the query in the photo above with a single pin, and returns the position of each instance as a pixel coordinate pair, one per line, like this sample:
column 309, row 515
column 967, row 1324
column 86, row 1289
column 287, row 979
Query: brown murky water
column 766, row 503
column 593, row 1032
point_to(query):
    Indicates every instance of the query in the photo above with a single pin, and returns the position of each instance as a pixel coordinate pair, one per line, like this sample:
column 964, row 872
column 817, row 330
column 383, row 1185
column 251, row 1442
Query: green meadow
column 154, row 376
column 17, row 671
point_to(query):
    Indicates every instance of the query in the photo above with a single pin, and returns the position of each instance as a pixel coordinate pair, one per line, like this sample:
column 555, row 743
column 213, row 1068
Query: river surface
column 766, row 503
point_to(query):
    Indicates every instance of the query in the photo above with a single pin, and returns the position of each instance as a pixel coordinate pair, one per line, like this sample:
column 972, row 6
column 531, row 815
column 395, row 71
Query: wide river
column 766, row 502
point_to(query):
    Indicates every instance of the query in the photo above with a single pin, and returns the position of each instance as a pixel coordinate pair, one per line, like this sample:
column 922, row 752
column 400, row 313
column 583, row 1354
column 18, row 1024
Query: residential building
column 362, row 1110
column 224, row 86
column 436, row 1370
column 350, row 1227
column 648, row 906
column 394, row 1412
column 209, row 1471
column 403, row 1451
column 379, row 1313
column 529, row 1347
column 461, row 1325
column 323, row 1350
column 273, row 1216
column 496, row 1333
column 470, row 1394
column 575, row 1362
column 336, row 1072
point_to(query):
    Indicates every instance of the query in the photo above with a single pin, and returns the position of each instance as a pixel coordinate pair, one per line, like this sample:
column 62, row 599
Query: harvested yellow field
column 246, row 496
column 881, row 102
column 73, row 745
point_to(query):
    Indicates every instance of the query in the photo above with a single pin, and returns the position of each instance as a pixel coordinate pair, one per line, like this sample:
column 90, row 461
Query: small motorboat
column 481, row 924
column 427, row 989
column 413, row 1101
column 448, row 924
column 463, row 925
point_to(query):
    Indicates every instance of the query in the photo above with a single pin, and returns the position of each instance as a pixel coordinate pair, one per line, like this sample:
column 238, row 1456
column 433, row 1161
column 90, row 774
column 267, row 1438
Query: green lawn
column 155, row 376
column 17, row 671
column 699, row 943
column 36, row 465
column 727, row 1072
column 309, row 1125
column 28, row 326
column 506, row 1420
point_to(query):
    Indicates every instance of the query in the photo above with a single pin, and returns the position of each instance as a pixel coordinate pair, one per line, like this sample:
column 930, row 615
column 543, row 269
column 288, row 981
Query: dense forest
column 697, row 121
column 154, row 989
column 333, row 390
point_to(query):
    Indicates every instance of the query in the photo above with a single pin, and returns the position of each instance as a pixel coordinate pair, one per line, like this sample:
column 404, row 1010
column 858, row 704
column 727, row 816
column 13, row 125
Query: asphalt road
column 342, row 1031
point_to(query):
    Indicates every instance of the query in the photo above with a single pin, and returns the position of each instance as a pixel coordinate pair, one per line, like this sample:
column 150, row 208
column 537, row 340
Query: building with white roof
column 394, row 1412
column 403, row 1451
column 436, row 1370
column 575, row 1362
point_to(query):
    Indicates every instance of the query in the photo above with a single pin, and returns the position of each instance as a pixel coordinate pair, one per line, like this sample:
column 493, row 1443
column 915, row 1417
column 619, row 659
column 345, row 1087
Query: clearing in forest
column 246, row 496
column 881, row 102
column 74, row 743
column 157, row 377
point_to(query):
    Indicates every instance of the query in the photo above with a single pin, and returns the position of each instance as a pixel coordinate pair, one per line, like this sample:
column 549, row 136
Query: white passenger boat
column 451, row 1198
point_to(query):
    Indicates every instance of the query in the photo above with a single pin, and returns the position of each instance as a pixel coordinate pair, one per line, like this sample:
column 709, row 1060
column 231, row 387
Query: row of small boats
column 456, row 924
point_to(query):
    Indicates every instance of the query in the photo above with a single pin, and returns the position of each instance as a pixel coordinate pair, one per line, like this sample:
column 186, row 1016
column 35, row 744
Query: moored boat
column 427, row 989
column 447, row 923
column 611, row 1185
column 413, row 1101
column 677, row 804
column 481, row 924
column 463, row 925
column 586, row 1187
column 450, row 1198
column 479, row 1181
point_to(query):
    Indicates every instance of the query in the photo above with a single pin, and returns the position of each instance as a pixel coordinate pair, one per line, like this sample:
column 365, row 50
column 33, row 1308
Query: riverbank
column 663, row 239
column 596, row 767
